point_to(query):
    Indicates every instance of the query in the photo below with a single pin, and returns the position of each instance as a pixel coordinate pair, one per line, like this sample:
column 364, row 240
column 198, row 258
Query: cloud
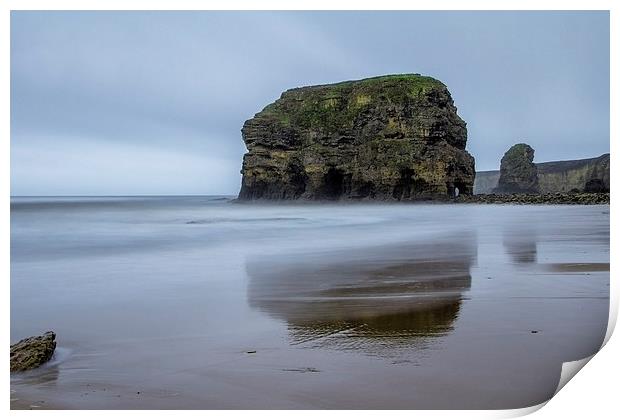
column 183, row 83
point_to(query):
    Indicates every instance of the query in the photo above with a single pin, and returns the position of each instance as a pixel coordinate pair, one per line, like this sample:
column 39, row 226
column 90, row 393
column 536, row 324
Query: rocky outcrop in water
column 32, row 352
column 558, row 176
column 386, row 138
column 518, row 173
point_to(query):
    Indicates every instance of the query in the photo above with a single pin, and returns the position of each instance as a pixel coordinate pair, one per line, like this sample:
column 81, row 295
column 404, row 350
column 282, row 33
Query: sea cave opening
column 333, row 184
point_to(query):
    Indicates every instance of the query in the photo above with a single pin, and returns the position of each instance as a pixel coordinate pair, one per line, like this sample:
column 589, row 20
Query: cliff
column 486, row 182
column 386, row 138
column 567, row 175
column 559, row 176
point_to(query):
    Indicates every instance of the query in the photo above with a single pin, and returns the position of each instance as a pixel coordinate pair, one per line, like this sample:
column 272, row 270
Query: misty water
column 199, row 302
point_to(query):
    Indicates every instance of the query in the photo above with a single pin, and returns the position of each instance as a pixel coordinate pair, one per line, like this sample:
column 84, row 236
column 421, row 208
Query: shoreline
column 519, row 199
column 548, row 198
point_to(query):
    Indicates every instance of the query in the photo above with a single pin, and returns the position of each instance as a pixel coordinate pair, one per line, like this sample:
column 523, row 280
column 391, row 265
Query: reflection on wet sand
column 43, row 375
column 377, row 301
column 520, row 243
column 576, row 267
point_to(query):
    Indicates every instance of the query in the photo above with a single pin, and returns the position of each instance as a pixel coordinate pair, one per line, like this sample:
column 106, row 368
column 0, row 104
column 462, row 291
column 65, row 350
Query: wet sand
column 296, row 310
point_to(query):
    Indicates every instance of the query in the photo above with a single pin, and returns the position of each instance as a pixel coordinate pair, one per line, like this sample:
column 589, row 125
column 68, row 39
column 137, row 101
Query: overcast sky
column 106, row 103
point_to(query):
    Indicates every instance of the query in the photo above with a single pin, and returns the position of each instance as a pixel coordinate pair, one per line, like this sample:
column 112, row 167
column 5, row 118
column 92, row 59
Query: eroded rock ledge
column 384, row 138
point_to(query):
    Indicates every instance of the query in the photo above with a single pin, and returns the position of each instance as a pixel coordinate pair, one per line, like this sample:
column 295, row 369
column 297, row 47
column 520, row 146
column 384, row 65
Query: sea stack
column 385, row 138
column 517, row 172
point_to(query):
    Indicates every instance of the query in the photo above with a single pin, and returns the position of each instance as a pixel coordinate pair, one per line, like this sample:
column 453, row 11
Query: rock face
column 518, row 173
column 556, row 177
column 385, row 138
column 32, row 352
column 595, row 185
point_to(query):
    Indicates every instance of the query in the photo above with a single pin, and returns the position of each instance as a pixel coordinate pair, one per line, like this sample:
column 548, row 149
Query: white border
column 309, row 5
column 592, row 394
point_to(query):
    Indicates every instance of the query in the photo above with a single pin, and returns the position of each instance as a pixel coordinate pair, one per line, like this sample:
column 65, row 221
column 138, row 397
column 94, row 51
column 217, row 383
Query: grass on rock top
column 334, row 106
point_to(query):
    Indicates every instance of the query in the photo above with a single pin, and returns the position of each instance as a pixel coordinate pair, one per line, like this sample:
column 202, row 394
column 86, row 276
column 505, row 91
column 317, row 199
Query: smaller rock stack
column 518, row 173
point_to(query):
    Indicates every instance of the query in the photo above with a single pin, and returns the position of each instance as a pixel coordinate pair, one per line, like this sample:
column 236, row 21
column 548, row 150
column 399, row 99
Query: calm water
column 197, row 302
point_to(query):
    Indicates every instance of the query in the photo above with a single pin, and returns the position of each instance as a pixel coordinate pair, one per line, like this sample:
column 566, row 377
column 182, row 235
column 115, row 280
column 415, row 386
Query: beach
column 201, row 303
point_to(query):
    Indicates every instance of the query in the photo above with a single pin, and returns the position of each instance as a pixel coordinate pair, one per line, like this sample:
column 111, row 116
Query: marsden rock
column 386, row 138
column 518, row 173
column 32, row 352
